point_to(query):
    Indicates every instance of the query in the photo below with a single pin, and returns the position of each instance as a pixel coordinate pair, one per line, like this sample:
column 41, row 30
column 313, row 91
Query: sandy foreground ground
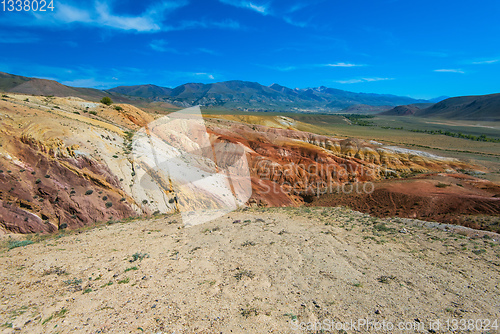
column 287, row 270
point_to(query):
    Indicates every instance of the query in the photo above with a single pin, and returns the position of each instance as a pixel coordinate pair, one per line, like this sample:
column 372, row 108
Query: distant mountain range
column 252, row 96
column 34, row 86
column 479, row 108
column 242, row 95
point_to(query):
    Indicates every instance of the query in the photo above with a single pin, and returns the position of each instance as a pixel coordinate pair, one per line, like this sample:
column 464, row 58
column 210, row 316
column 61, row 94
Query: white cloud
column 343, row 65
column 282, row 68
column 262, row 9
column 265, row 9
column 295, row 23
column 450, row 70
column 310, row 66
column 359, row 80
column 143, row 23
column 298, row 6
column 100, row 13
column 203, row 74
column 492, row 61
column 92, row 82
column 209, row 51
column 160, row 45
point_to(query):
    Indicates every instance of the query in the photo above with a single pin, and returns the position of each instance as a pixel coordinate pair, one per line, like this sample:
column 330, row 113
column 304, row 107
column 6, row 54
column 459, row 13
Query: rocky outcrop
column 293, row 164
column 66, row 163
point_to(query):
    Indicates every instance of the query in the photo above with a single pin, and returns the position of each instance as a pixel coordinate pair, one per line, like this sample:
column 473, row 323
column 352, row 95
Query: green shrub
column 18, row 243
column 139, row 256
column 109, row 204
column 244, row 273
column 131, row 268
column 107, row 101
column 89, row 192
column 124, row 281
column 118, row 108
column 74, row 281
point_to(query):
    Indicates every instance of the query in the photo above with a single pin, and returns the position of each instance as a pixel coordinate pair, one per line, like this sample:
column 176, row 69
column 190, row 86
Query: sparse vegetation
column 138, row 256
column 131, row 268
column 210, row 230
column 386, row 279
column 106, row 100
column 89, row 192
column 107, row 284
column 381, row 227
column 248, row 243
column 74, row 281
column 244, row 273
column 358, row 119
column 124, row 281
column 11, row 244
column 246, row 312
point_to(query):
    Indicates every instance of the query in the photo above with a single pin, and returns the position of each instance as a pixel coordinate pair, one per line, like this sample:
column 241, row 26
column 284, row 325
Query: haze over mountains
column 252, row 96
column 234, row 94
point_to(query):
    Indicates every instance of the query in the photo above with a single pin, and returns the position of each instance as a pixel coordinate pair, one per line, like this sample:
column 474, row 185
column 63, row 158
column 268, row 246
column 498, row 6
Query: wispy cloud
column 265, row 9
column 282, row 68
column 359, row 80
column 450, row 70
column 161, row 45
column 343, row 65
column 492, row 61
column 309, row 66
column 297, row 6
column 183, row 76
column 206, row 75
column 259, row 8
column 293, row 22
column 102, row 14
column 209, row 51
column 91, row 82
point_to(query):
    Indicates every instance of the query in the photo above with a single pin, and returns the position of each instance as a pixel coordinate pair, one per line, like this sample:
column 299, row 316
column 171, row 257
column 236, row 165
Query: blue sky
column 420, row 48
